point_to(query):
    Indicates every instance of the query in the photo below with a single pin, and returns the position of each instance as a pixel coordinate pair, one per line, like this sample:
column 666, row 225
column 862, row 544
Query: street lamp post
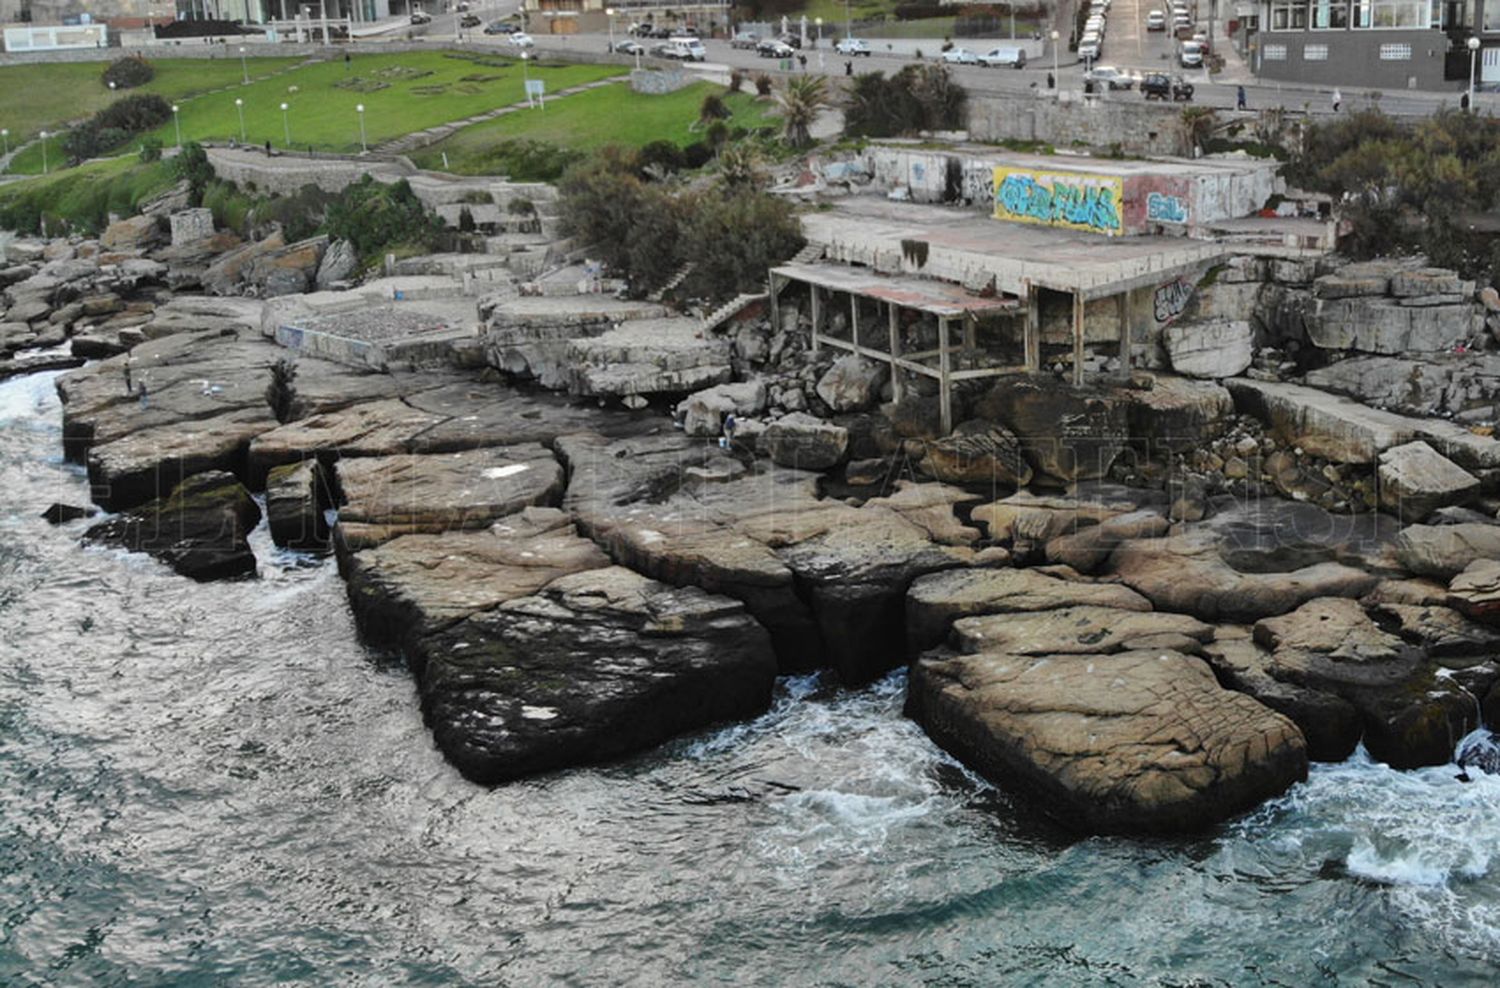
column 848, row 21
column 1473, row 44
column 244, row 69
column 364, row 147
column 239, row 106
column 610, row 13
column 111, row 85
column 177, row 124
column 5, row 136
column 44, row 152
column 1055, row 38
column 286, row 126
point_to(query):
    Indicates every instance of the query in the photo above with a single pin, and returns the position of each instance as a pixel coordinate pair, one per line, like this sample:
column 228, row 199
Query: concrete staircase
column 732, row 308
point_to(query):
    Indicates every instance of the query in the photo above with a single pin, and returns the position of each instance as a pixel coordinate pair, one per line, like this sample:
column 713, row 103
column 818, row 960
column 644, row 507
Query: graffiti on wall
column 1165, row 209
column 1171, row 300
column 1068, row 199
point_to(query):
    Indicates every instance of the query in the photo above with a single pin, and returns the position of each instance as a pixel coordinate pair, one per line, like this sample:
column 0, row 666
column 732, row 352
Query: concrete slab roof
column 975, row 250
column 940, row 298
column 1124, row 167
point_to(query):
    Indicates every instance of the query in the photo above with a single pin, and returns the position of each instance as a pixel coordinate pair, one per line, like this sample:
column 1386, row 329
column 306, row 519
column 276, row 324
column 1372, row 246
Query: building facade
column 1379, row 44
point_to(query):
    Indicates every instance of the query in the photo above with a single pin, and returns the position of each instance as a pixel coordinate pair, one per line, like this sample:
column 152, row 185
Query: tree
column 631, row 224
column 281, row 392
column 713, row 110
column 802, row 98
column 919, row 97
column 734, row 238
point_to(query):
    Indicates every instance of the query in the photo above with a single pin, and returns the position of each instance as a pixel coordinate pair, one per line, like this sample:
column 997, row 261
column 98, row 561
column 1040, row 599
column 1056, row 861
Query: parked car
column 852, row 46
column 461, row 6
column 500, row 27
column 1013, row 57
column 1201, row 40
column 1190, row 56
column 1181, row 22
column 421, row 17
column 1159, row 85
column 1156, row 20
column 790, row 40
column 1109, row 77
column 960, row 56
column 771, row 48
column 520, row 39
column 1090, row 50
column 630, row 48
column 469, row 20
column 744, row 39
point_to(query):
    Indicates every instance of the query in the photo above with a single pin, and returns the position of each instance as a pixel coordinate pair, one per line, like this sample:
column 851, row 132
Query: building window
column 1395, row 53
column 1275, row 53
column 1330, row 14
column 1491, row 18
column 1289, row 15
column 1394, row 14
column 1315, row 53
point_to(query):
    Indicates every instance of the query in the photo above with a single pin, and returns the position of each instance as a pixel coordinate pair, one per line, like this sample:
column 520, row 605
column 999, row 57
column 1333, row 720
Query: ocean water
column 219, row 785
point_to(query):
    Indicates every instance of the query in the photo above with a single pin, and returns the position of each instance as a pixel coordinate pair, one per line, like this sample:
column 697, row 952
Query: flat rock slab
column 147, row 464
column 200, row 529
column 1139, row 742
column 1444, row 551
column 1024, row 516
column 1476, row 591
column 529, row 337
column 296, row 498
column 1088, row 630
column 1322, row 424
column 1331, row 724
column 1416, row 480
column 598, row 664
column 388, row 496
column 935, row 601
column 649, row 356
column 1330, row 643
column 416, row 585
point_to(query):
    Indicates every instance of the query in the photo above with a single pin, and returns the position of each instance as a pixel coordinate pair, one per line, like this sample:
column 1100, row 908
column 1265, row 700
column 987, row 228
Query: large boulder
column 200, row 529
column 597, row 664
column 704, row 411
column 1444, row 551
column 935, row 601
column 289, row 270
column 805, row 442
column 340, row 263
column 230, row 271
column 1330, row 724
column 132, row 233
column 1416, row 480
column 189, row 225
column 648, row 356
column 1211, row 349
column 530, row 337
column 978, row 453
column 852, row 384
column 1068, row 434
column 388, row 496
column 296, row 496
column 1382, row 325
column 1139, row 742
column 1475, row 591
column 1319, row 423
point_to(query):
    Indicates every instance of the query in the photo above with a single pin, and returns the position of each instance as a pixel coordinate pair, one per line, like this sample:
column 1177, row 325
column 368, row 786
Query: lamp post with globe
column 1473, row 44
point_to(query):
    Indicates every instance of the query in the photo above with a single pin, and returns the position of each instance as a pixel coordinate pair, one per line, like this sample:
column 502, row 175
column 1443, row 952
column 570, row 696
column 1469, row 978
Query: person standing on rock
column 729, row 425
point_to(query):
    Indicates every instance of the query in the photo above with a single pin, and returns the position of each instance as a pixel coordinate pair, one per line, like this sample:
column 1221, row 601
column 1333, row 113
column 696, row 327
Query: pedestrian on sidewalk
column 849, row 67
column 1051, row 81
column 1338, row 100
column 1239, row 98
column 1463, row 102
column 802, row 60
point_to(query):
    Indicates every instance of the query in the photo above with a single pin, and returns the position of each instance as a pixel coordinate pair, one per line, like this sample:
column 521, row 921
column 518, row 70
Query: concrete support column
column 854, row 318
column 1078, row 339
column 945, row 384
column 776, row 309
column 1031, row 333
column 817, row 316
column 1122, row 301
column 893, row 318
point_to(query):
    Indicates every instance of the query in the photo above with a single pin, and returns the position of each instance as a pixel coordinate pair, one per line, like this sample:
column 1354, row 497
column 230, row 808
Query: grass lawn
column 611, row 115
column 48, row 95
column 85, row 196
column 401, row 93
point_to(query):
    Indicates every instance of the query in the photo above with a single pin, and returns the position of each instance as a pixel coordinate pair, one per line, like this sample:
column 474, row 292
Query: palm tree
column 801, row 99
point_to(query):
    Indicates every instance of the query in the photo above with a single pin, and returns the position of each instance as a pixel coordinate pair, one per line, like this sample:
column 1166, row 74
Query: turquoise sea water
column 218, row 785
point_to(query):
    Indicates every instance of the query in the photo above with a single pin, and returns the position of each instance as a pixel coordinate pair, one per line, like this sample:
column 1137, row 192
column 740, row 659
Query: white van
column 688, row 49
column 1013, row 57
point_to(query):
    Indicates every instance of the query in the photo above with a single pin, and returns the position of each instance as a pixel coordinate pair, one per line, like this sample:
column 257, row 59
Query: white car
column 1011, row 56
column 960, row 56
column 1095, row 24
column 1110, row 77
column 1180, row 21
column 1191, row 55
column 1090, row 51
column 521, row 40
column 1156, row 20
column 852, row 46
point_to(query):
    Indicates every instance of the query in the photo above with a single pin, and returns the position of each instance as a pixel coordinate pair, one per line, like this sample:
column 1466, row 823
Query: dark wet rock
column 1138, row 742
column 59, row 513
column 1441, row 632
column 146, row 464
column 979, row 453
column 935, row 601
column 199, row 530
column 416, row 585
column 1067, row 434
column 805, row 442
column 1176, row 414
column 598, row 664
column 296, row 496
column 383, row 497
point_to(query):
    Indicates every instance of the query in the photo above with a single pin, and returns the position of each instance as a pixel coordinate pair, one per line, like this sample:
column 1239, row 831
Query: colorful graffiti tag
column 1171, row 299
column 1074, row 200
column 1165, row 209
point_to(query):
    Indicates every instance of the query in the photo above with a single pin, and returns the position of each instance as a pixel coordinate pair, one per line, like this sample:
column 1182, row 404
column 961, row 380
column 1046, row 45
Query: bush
column 763, row 85
column 697, row 154
column 375, row 217
column 115, row 125
column 919, row 97
column 281, row 392
column 733, row 239
column 713, row 108
column 150, row 149
column 736, row 81
column 191, row 165
column 300, row 215
column 632, row 224
column 128, row 72
column 659, row 157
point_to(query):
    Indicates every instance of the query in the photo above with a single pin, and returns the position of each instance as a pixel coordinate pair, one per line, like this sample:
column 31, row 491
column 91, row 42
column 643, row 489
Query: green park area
column 525, row 143
column 401, row 93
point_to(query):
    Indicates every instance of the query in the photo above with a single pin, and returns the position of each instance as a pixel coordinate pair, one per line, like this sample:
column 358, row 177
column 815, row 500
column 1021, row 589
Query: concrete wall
column 1354, row 59
column 1122, row 119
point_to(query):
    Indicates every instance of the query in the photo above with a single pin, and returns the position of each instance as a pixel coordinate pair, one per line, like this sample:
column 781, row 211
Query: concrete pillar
column 1031, row 330
column 854, row 319
column 817, row 316
column 776, row 307
column 945, row 392
column 1122, row 301
column 893, row 316
column 1078, row 339
column 971, row 330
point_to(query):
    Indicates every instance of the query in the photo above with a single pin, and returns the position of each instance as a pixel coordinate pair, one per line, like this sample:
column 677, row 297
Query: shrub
column 919, row 97
column 732, row 240
column 128, row 72
column 659, row 157
column 191, row 164
column 115, row 125
column 281, row 392
column 736, row 81
column 150, row 149
column 713, row 108
column 633, row 224
column 697, row 154
column 374, row 217
column 763, row 85
column 465, row 220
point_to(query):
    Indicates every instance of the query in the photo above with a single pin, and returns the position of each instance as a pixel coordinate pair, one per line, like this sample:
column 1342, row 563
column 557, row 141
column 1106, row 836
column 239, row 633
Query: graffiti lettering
column 1082, row 202
column 1171, row 299
column 1165, row 209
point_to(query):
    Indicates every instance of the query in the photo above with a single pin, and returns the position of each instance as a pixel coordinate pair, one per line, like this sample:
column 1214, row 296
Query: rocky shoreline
column 1148, row 603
